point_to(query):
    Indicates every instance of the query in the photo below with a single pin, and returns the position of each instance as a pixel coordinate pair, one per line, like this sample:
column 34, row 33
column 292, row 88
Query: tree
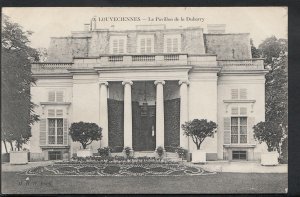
column 264, row 132
column 85, row 133
column 17, row 109
column 276, row 122
column 256, row 53
column 198, row 130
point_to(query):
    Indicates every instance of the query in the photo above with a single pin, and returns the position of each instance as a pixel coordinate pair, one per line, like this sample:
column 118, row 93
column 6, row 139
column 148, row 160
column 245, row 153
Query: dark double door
column 143, row 128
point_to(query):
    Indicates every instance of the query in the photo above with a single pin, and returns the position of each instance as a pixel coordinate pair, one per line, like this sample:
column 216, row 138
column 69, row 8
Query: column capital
column 103, row 83
column 159, row 81
column 127, row 82
column 187, row 82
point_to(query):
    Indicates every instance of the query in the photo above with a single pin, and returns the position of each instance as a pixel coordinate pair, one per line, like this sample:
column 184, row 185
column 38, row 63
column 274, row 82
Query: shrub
column 127, row 151
column 85, row 133
column 105, row 151
column 181, row 152
column 160, row 151
column 198, row 130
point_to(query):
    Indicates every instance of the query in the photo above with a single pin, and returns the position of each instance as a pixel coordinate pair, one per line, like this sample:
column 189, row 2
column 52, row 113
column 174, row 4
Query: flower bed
column 112, row 169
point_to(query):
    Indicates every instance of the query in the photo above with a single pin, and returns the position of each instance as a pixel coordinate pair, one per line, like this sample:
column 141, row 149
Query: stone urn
column 269, row 158
column 18, row 157
column 85, row 153
column 199, row 156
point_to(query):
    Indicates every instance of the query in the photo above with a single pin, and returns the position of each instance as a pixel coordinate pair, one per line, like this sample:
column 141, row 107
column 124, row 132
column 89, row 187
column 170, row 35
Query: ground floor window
column 239, row 130
column 55, row 155
column 239, row 155
column 55, row 131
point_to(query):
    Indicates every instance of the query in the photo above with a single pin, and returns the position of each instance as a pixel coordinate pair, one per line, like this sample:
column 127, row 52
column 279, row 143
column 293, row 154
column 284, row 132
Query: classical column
column 103, row 113
column 160, row 136
column 127, row 114
column 183, row 111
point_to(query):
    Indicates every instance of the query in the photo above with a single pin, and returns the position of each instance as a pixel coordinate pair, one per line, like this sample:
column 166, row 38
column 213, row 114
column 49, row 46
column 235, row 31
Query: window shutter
column 169, row 45
column 243, row 111
column 115, row 46
column 227, row 129
column 51, row 113
column 250, row 121
column 121, row 46
column 51, row 96
column 66, row 131
column 243, row 93
column 59, row 113
column 234, row 94
column 175, row 45
column 234, row 111
column 143, row 45
column 43, row 132
column 59, row 96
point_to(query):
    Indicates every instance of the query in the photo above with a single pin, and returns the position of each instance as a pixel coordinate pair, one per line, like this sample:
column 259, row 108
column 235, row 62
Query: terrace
column 153, row 60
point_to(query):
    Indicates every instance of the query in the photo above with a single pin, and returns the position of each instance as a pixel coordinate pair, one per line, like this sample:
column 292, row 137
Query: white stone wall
column 203, row 105
column 255, row 85
column 39, row 94
column 85, row 104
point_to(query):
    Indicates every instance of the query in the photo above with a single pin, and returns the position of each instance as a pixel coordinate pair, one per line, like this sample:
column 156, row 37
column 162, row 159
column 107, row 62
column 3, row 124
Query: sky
column 46, row 22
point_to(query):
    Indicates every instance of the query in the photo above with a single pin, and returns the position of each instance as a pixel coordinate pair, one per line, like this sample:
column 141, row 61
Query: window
column 172, row 43
column 238, row 130
column 118, row 44
column 54, row 155
column 56, row 96
column 239, row 155
column 55, row 131
column 146, row 44
column 238, row 93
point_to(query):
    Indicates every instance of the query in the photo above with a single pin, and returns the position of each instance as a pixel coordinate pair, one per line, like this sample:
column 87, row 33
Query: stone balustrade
column 148, row 60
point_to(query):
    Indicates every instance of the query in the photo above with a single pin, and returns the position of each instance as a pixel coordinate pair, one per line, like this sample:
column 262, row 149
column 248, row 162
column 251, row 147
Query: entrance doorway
column 144, row 136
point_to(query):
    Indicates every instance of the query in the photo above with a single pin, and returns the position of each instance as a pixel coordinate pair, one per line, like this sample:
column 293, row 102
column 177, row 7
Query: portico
column 151, row 106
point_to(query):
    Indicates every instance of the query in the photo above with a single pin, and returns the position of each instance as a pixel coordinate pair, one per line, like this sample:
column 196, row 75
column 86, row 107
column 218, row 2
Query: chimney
column 216, row 28
column 87, row 27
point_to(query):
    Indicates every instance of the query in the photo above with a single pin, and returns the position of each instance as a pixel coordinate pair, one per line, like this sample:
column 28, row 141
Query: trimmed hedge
column 172, row 122
column 115, row 123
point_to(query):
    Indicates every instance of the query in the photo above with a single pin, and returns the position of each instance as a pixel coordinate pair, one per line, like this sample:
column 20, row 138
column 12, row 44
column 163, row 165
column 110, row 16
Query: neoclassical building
column 141, row 85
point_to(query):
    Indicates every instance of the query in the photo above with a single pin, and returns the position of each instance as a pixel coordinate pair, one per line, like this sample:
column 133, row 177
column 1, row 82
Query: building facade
column 140, row 85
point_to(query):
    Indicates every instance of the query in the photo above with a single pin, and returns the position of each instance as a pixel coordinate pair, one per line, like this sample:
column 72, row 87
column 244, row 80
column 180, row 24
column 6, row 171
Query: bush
column 127, row 151
column 105, row 151
column 85, row 133
column 160, row 151
column 182, row 153
column 198, row 130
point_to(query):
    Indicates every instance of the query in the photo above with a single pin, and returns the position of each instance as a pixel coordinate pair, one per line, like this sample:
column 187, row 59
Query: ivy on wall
column 115, row 123
column 172, row 122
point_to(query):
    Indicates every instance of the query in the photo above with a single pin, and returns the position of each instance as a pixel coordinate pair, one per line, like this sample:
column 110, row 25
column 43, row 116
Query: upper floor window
column 238, row 93
column 145, row 44
column 172, row 43
column 56, row 96
column 118, row 44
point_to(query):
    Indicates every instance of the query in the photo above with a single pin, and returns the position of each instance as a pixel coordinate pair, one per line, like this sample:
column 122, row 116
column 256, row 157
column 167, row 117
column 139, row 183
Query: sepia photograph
column 140, row 100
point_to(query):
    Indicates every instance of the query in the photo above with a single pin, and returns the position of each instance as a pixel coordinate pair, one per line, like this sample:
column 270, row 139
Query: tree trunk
column 11, row 146
column 198, row 146
column 5, row 146
column 84, row 146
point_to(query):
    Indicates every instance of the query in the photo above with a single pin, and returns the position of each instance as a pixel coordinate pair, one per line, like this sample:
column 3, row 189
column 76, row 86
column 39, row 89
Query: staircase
column 169, row 156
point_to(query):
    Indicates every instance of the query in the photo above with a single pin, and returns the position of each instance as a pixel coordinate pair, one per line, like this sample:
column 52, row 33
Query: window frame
column 172, row 43
column 115, row 44
column 55, row 131
column 147, row 48
column 55, row 96
column 239, row 130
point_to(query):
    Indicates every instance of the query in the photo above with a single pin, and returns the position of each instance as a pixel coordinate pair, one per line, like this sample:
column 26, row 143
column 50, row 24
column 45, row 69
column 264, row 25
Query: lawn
column 214, row 183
